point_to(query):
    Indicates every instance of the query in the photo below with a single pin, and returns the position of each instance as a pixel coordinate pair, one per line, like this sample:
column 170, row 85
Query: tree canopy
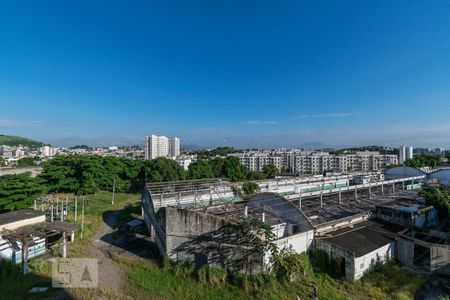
column 420, row 161
column 17, row 191
column 270, row 170
column 200, row 169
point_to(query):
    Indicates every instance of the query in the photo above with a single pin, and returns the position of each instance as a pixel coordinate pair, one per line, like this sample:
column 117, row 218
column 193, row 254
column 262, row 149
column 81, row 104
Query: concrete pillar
column 393, row 187
column 370, row 192
column 321, row 199
column 382, row 189
column 300, row 202
column 51, row 213
column 356, row 193
column 246, row 212
column 403, row 184
column 24, row 256
column 340, row 196
column 64, row 247
column 263, row 217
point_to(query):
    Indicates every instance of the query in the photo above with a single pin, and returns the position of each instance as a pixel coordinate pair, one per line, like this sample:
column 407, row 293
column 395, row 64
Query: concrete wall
column 368, row 261
column 35, row 171
column 405, row 251
column 440, row 259
column 206, row 239
column 300, row 242
column 335, row 252
column 20, row 223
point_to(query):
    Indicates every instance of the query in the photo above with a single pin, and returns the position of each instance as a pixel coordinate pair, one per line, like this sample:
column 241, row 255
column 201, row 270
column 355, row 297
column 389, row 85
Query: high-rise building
column 174, row 146
column 406, row 152
column 161, row 146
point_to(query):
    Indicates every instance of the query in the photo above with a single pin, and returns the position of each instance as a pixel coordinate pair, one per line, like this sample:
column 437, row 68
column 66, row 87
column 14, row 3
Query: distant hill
column 11, row 140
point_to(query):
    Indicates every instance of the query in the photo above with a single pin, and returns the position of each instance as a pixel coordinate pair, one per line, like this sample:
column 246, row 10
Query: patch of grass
column 96, row 205
column 16, row 286
column 13, row 285
column 130, row 212
column 387, row 281
column 146, row 279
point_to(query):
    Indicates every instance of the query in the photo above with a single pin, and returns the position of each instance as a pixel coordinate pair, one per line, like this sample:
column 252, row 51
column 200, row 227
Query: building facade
column 161, row 146
column 308, row 162
column 406, row 152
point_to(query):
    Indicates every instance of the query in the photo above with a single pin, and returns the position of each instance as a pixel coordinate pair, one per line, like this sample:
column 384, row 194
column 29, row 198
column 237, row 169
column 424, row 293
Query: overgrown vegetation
column 17, row 191
column 426, row 160
column 294, row 276
column 439, row 197
column 89, row 174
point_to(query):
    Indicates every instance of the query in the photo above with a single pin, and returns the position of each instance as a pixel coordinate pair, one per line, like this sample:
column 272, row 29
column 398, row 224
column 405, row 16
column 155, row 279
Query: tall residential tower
column 161, row 146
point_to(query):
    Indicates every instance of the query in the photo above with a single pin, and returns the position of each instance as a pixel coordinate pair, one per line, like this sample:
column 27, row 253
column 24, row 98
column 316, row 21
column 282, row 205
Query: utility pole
column 76, row 207
column 114, row 191
column 82, row 219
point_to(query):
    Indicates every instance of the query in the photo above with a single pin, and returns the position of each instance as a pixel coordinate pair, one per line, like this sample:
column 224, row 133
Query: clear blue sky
column 240, row 73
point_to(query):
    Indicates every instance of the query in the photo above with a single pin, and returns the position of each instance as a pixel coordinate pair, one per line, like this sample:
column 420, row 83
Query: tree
column 439, row 197
column 200, row 169
column 420, row 161
column 217, row 166
column 2, row 161
column 163, row 169
column 233, row 169
column 270, row 170
column 26, row 162
column 250, row 188
column 17, row 191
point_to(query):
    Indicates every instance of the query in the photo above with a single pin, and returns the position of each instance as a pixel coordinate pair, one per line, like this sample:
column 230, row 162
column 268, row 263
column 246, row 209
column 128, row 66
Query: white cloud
column 4, row 123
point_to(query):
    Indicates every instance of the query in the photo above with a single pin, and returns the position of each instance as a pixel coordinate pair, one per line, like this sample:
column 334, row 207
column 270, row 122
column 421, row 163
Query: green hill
column 11, row 140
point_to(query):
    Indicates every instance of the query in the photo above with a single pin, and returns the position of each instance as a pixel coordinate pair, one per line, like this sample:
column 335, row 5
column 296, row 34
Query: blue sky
column 239, row 73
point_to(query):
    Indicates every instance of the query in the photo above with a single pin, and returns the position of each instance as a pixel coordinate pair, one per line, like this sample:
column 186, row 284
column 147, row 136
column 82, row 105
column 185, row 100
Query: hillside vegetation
column 11, row 140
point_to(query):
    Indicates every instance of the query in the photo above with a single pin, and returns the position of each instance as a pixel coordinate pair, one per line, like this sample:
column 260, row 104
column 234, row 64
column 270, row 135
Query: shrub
column 213, row 276
column 6, row 268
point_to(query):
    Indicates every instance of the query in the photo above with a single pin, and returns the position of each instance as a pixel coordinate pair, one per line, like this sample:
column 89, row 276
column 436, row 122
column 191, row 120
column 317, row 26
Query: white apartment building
column 406, row 152
column 185, row 160
column 161, row 146
column 174, row 146
column 47, row 151
column 304, row 162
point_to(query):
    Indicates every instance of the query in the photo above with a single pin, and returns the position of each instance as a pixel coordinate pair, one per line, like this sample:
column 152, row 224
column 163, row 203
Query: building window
column 361, row 266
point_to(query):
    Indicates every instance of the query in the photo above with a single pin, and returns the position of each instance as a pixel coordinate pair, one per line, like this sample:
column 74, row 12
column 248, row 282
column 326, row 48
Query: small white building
column 355, row 250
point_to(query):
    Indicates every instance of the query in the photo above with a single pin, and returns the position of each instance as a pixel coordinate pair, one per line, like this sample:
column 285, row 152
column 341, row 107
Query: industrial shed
column 355, row 250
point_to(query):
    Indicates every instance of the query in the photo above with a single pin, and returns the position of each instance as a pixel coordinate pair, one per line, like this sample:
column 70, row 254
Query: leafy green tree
column 17, row 191
column 439, row 197
column 200, row 169
column 233, row 169
column 217, row 166
column 250, row 188
column 252, row 175
column 2, row 161
column 270, row 170
column 163, row 169
column 420, row 161
column 26, row 162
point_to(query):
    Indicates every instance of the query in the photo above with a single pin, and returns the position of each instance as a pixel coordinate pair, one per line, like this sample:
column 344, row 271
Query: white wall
column 366, row 262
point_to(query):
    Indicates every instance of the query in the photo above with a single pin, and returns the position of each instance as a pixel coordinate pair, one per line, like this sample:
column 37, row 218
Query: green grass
column 147, row 280
column 96, row 206
column 15, row 286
